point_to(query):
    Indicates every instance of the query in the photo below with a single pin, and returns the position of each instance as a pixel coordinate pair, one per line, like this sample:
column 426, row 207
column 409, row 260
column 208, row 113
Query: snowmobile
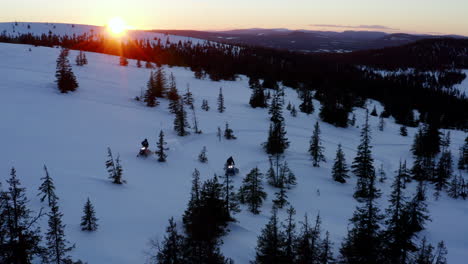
column 144, row 150
column 230, row 168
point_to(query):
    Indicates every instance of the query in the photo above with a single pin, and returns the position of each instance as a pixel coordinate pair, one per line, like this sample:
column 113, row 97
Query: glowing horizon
column 416, row 16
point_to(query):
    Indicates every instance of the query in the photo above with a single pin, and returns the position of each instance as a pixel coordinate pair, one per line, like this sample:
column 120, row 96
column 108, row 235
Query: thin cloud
column 380, row 27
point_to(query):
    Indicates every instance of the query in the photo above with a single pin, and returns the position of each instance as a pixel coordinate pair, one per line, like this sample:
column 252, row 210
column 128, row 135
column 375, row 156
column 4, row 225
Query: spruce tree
column 363, row 242
column 306, row 106
column 66, row 80
column 150, row 95
column 188, row 98
column 340, row 169
column 293, row 111
column 396, row 236
column 21, row 231
column 57, row 247
column 229, row 133
column 89, row 220
column 257, row 98
column 277, row 142
column 205, row 105
column 221, row 107
column 47, row 188
column 180, row 121
column 381, row 123
column 251, row 192
column 161, row 148
column 326, row 253
column 114, row 168
column 290, row 236
column 316, row 148
column 123, row 61
column 160, row 84
column 416, row 210
column 308, row 245
column 171, row 249
column 403, row 131
column 173, row 95
column 374, row 112
column 444, row 171
column 230, row 197
column 463, row 158
column 363, row 166
column 202, row 156
column 280, row 196
column 270, row 244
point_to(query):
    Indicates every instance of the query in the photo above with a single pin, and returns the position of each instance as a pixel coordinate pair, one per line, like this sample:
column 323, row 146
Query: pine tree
column 340, row 169
column 148, row 65
column 66, row 80
column 218, row 134
column 170, row 251
column 173, row 95
column 277, row 142
column 196, row 130
column 443, row 172
column 150, row 95
column 202, row 156
column 230, row 197
column 20, row 230
column 123, row 61
column 228, row 133
column 205, row 105
column 396, row 236
column 308, row 245
column 463, row 158
column 221, row 107
column 316, row 148
column 416, row 210
column 293, row 111
column 188, row 98
column 374, row 112
column 47, row 188
column 363, row 243
column 286, row 175
column 352, row 121
column 180, row 121
column 270, row 244
column 281, row 197
column 114, row 168
column 251, row 192
column 258, row 95
column 161, row 146
column 290, row 236
column 57, row 247
column 441, row 253
column 381, row 123
column 160, row 85
column 306, row 106
column 276, row 108
column 403, row 131
column 362, row 165
column 326, row 253
column 81, row 59
column 89, row 220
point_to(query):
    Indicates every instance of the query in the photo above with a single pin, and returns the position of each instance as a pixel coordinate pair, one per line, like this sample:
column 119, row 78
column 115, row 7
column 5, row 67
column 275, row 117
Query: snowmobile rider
column 145, row 143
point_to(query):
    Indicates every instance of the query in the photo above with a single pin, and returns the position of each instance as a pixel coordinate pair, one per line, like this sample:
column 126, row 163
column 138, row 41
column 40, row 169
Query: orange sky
column 413, row 16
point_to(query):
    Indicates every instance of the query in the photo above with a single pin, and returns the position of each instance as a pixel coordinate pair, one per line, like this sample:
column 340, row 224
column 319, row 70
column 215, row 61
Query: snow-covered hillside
column 61, row 29
column 70, row 133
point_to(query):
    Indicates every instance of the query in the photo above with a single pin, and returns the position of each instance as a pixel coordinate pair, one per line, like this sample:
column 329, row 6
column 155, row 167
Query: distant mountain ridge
column 307, row 40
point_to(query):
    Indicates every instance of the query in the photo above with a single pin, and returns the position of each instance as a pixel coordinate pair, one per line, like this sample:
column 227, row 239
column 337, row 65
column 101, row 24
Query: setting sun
column 117, row 26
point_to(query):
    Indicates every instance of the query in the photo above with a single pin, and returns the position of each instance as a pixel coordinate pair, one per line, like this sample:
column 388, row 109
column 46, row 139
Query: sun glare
column 117, row 26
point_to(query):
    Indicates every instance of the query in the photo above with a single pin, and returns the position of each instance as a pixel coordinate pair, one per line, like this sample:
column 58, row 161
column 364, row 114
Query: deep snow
column 70, row 133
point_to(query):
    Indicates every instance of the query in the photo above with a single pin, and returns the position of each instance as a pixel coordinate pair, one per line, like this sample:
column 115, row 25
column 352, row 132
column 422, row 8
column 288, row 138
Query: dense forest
column 340, row 82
